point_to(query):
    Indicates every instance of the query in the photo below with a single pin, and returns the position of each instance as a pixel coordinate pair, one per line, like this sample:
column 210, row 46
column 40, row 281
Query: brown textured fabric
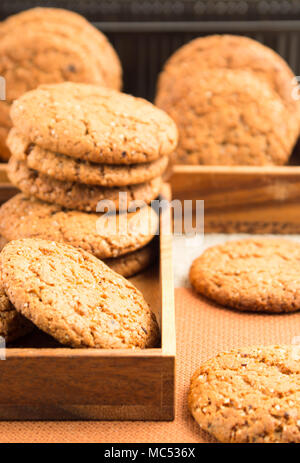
column 202, row 330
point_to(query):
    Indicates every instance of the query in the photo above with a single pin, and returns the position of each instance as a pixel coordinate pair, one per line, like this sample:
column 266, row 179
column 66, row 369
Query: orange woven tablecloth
column 202, row 330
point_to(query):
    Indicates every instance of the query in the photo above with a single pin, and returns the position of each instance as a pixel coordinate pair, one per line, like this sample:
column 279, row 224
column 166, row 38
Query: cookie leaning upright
column 255, row 274
column 67, row 24
column 228, row 96
column 74, row 297
column 47, row 45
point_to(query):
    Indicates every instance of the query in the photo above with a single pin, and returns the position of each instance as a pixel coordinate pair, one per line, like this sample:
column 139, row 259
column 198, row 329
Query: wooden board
column 242, row 199
column 40, row 380
column 7, row 190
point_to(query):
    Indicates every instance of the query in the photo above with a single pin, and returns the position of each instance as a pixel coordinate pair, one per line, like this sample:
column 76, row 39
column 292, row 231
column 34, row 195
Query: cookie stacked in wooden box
column 74, row 146
column 72, row 296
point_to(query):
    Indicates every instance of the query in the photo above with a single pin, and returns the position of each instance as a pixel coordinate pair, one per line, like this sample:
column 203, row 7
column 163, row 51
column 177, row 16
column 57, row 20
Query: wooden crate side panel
column 251, row 200
column 87, row 388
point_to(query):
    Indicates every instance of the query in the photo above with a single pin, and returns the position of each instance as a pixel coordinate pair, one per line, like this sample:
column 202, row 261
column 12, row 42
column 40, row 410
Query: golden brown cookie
column 64, row 167
column 72, row 195
column 230, row 52
column 75, row 297
column 103, row 235
column 126, row 265
column 229, row 117
column 134, row 262
column 12, row 324
column 249, row 395
column 257, row 274
column 94, row 124
column 49, row 45
column 69, row 25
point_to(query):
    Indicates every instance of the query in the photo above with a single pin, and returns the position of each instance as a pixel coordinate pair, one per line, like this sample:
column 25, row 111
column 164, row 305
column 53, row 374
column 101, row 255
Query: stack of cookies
column 72, row 296
column 74, row 146
column 50, row 45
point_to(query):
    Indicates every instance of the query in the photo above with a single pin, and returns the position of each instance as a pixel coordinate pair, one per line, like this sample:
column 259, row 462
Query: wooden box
column 243, row 199
column 59, row 383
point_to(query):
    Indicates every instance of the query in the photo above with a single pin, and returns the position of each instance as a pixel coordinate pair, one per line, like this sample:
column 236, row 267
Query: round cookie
column 232, row 52
column 12, row 324
column 257, row 274
column 130, row 264
column 64, row 167
column 229, row 117
column 46, row 46
column 72, row 195
column 102, row 235
column 249, row 395
column 70, row 25
column 94, row 123
column 75, row 297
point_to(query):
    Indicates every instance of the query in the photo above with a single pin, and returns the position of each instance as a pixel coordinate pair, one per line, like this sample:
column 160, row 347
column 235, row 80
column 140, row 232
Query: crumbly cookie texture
column 249, row 395
column 134, row 262
column 75, row 297
column 235, row 53
column 103, row 235
column 72, row 195
column 229, row 117
column 94, row 123
column 64, row 167
column 251, row 274
column 50, row 45
column 126, row 265
column 12, row 324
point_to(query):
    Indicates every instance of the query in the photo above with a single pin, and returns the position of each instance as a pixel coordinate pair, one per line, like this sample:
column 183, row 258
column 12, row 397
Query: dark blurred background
column 146, row 32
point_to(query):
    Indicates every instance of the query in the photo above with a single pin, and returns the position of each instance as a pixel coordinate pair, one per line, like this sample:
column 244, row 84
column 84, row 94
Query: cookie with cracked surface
column 134, row 262
column 126, row 265
column 64, row 167
column 234, row 53
column 249, row 395
column 257, row 274
column 94, row 123
column 75, row 297
column 47, row 46
column 102, row 235
column 12, row 324
column 227, row 117
column 72, row 195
